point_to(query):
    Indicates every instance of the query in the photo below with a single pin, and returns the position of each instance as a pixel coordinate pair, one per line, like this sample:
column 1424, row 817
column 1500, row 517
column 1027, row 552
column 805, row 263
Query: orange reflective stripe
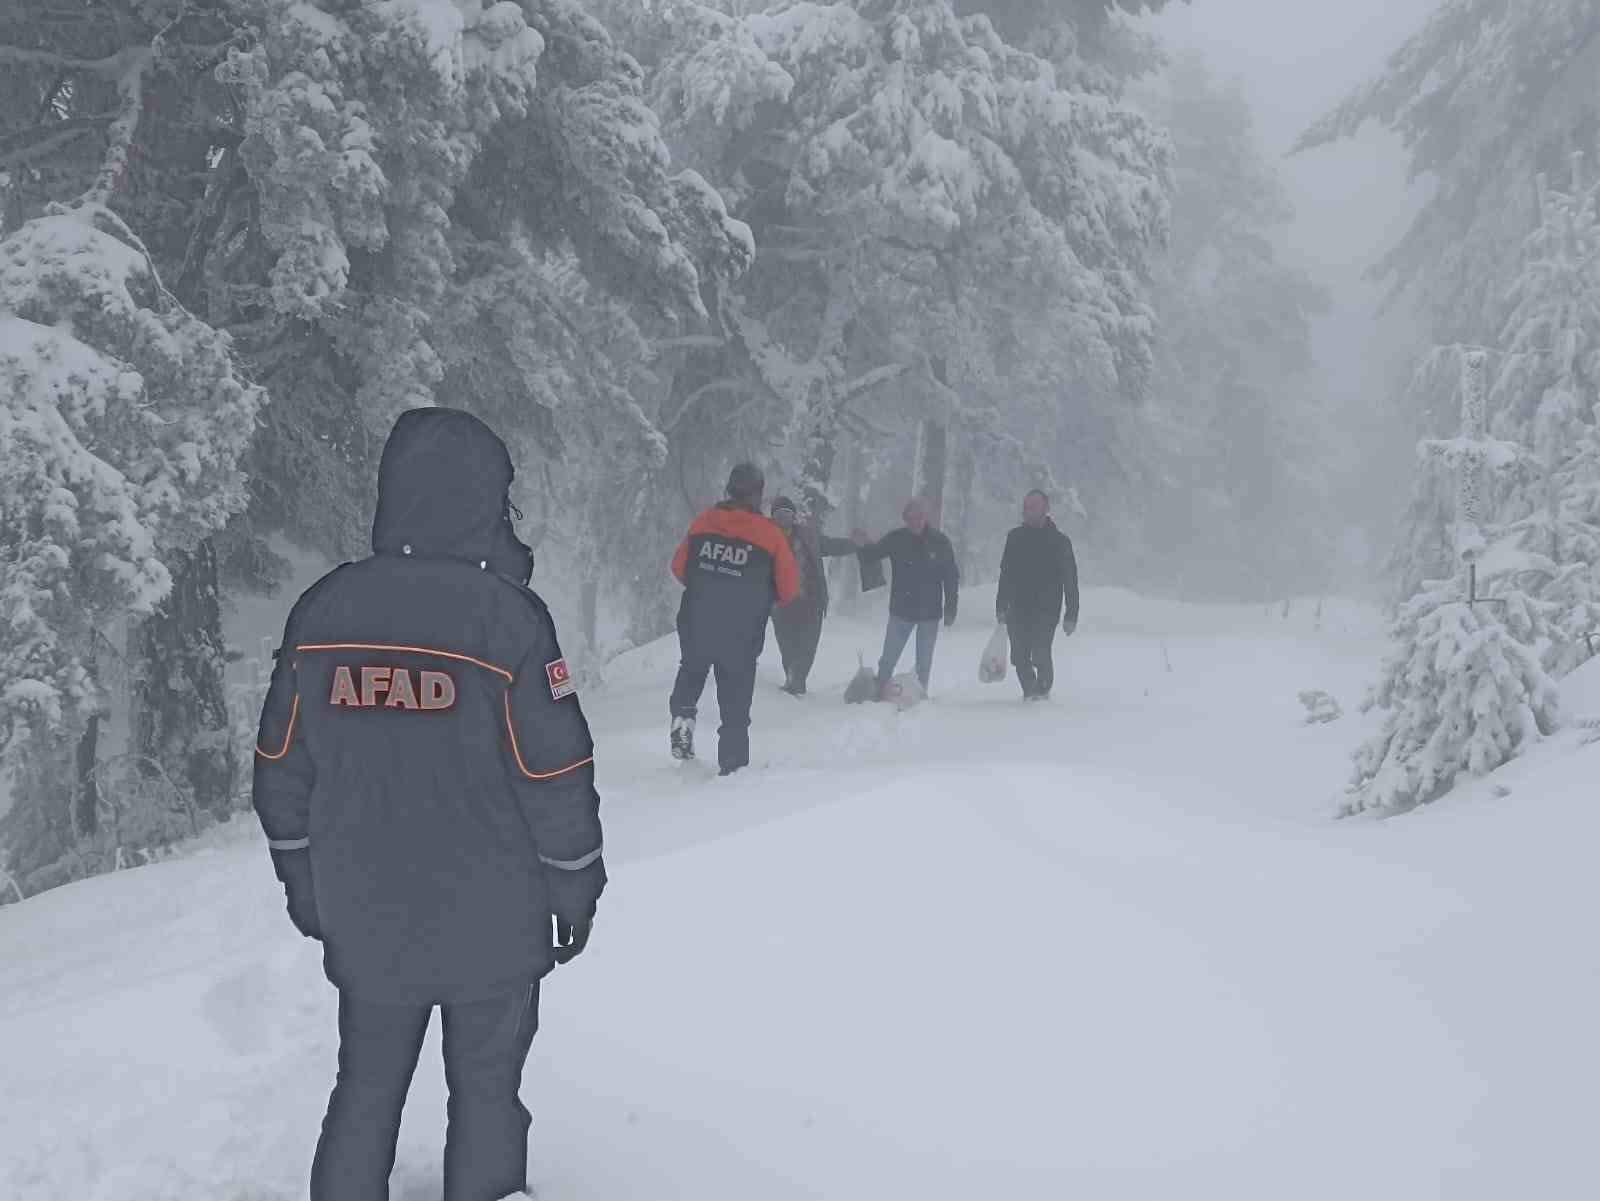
column 414, row 650
column 523, row 767
column 294, row 712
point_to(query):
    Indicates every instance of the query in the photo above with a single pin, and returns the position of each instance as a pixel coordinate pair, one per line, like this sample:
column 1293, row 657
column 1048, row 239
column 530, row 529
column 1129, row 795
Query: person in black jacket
column 1038, row 588
column 924, row 589
column 798, row 625
column 734, row 565
column 425, row 779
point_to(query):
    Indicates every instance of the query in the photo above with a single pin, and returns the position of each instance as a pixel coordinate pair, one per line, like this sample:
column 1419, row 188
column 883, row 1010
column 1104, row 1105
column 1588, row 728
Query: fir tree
column 124, row 425
column 1464, row 689
column 1546, row 391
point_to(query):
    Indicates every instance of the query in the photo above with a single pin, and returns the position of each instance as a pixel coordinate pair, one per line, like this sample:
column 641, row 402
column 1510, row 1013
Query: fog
column 1296, row 60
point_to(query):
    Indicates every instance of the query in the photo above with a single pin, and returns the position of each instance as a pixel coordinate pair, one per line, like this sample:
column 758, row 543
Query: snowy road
column 1106, row 948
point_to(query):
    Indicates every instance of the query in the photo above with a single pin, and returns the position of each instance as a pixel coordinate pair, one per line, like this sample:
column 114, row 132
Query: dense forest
column 950, row 248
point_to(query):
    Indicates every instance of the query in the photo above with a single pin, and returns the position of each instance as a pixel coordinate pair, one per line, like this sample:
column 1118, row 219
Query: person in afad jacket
column 734, row 565
column 798, row 624
column 1038, row 589
column 924, row 589
column 425, row 779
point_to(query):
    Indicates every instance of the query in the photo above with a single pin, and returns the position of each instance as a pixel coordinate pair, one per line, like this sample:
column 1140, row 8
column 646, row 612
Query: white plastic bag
column 992, row 667
column 904, row 691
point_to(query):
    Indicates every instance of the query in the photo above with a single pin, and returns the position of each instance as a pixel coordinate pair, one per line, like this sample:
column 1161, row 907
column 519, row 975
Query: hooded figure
column 425, row 778
column 798, row 625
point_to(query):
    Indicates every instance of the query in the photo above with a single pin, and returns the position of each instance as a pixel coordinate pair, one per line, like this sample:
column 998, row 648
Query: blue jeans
column 894, row 645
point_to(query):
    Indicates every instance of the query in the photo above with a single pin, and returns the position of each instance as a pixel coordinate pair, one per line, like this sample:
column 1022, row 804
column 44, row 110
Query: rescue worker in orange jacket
column 734, row 565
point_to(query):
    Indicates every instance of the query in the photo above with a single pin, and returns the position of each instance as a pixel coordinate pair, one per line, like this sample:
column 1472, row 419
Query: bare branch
column 113, row 67
column 130, row 86
column 56, row 136
column 690, row 342
column 729, row 384
column 872, row 379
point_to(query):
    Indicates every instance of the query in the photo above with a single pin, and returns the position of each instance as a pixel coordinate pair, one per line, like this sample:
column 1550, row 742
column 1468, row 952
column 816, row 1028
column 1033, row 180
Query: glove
column 294, row 870
column 950, row 615
column 571, row 938
column 1068, row 624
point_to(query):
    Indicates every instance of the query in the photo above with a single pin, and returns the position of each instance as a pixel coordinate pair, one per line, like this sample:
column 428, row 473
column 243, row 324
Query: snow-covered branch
column 130, row 87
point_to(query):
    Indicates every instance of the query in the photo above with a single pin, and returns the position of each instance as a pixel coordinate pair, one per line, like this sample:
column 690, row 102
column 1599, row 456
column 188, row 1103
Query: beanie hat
column 746, row 483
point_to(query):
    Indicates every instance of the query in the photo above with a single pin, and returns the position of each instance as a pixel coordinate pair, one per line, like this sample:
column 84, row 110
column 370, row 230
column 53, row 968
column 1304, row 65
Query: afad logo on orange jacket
column 392, row 688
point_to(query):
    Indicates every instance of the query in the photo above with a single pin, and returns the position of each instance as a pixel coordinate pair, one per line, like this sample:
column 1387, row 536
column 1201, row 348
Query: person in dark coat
column 924, row 589
column 425, row 779
column 734, row 565
column 1038, row 588
column 798, row 625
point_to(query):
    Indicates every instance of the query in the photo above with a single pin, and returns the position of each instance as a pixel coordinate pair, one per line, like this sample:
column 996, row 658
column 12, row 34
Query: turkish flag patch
column 560, row 676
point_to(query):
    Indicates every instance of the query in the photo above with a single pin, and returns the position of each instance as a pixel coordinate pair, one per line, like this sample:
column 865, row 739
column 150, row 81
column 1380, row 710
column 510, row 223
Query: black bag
column 863, row 686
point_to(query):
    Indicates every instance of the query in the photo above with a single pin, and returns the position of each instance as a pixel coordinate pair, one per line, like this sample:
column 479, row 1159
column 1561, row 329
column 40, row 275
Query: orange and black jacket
column 734, row 565
column 424, row 773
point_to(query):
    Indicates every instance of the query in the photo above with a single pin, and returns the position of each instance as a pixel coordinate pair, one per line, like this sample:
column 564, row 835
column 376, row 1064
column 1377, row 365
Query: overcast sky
column 1297, row 59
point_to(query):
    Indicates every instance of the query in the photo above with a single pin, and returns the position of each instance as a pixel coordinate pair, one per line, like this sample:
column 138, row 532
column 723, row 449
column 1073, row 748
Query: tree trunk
column 965, row 473
column 932, row 461
column 589, row 597
column 933, row 450
column 847, row 578
column 179, row 693
column 86, row 795
column 822, row 432
column 1469, row 486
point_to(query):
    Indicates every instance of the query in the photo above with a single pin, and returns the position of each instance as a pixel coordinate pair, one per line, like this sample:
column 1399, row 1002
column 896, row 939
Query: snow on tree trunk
column 1470, row 541
column 822, row 431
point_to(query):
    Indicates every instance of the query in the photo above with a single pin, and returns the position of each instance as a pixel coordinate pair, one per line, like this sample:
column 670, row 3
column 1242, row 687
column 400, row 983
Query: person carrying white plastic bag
column 992, row 667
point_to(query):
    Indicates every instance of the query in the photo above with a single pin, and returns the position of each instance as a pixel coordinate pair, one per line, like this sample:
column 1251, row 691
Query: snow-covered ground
column 1111, row 947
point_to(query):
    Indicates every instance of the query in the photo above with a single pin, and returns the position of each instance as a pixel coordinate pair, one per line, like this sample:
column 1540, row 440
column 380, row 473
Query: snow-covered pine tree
column 920, row 190
column 1546, row 392
column 124, row 425
column 1464, row 689
column 581, row 245
column 1485, row 95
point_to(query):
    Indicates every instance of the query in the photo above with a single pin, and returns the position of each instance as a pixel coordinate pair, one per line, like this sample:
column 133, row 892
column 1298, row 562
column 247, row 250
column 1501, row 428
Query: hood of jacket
column 443, row 489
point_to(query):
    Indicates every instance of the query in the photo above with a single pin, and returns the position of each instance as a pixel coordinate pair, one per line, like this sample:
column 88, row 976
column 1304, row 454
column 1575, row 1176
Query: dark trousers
column 736, row 689
column 486, row 1142
column 1031, row 642
column 798, row 634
